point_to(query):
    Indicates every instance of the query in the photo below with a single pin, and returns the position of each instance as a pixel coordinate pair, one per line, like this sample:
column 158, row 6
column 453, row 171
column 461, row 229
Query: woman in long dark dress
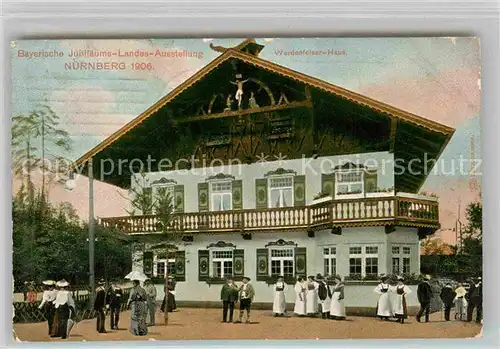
column 65, row 308
column 47, row 304
column 137, row 301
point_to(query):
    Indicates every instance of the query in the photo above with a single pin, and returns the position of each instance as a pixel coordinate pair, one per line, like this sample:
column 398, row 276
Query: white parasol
column 70, row 324
column 136, row 275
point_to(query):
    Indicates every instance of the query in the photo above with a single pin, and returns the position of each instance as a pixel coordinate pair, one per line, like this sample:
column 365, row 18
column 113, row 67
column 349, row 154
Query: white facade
column 364, row 250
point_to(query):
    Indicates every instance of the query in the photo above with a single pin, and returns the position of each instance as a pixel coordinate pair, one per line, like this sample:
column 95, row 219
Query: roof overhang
column 407, row 135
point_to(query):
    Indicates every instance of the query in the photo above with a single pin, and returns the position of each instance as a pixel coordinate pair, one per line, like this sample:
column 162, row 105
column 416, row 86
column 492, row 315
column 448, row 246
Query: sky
column 436, row 78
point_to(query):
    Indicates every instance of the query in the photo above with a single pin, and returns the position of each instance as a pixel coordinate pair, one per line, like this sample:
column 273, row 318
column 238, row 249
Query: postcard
column 258, row 188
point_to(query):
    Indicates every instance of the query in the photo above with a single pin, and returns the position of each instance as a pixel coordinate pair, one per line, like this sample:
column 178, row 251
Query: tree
column 472, row 241
column 60, row 249
column 162, row 203
column 434, row 246
column 33, row 135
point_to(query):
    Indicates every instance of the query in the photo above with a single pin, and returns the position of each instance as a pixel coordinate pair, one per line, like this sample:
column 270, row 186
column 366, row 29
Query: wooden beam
column 291, row 105
column 426, row 141
column 392, row 136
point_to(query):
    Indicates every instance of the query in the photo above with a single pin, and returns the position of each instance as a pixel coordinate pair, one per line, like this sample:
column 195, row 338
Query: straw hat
column 49, row 282
column 62, row 283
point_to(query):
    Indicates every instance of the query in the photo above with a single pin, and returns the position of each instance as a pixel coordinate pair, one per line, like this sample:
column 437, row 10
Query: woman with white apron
column 312, row 297
column 337, row 307
column 300, row 298
column 279, row 303
column 400, row 308
column 384, row 307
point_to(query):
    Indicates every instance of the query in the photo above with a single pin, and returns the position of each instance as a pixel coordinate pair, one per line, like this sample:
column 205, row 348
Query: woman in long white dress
column 300, row 297
column 279, row 303
column 312, row 297
column 400, row 308
column 384, row 307
column 337, row 308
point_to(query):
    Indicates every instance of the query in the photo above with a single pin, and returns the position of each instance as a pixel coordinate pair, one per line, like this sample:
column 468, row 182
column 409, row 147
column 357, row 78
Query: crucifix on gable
column 239, row 92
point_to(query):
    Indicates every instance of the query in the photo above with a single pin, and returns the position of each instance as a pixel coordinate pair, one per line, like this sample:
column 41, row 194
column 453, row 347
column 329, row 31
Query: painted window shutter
column 299, row 190
column 148, row 263
column 148, row 200
column 239, row 264
column 203, row 197
column 179, row 198
column 262, row 264
column 203, row 264
column 261, row 193
column 180, row 265
column 371, row 180
column 328, row 184
column 300, row 261
column 237, row 195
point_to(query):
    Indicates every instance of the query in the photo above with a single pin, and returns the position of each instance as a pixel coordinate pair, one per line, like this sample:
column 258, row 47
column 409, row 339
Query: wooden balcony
column 393, row 210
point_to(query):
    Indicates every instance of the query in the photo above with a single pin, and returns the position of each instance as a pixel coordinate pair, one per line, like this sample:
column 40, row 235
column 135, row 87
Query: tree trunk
column 165, row 313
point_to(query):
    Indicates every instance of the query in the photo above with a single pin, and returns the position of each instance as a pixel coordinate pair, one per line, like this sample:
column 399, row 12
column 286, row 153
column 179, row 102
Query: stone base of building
column 350, row 311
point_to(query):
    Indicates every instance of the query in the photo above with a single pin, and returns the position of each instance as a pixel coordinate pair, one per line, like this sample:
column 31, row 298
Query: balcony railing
column 371, row 211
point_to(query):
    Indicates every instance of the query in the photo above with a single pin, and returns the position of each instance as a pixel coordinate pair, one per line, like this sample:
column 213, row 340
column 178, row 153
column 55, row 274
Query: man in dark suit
column 99, row 305
column 475, row 298
column 228, row 295
column 424, row 295
column 113, row 302
column 447, row 296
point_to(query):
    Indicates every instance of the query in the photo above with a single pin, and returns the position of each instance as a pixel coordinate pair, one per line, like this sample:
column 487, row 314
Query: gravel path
column 205, row 324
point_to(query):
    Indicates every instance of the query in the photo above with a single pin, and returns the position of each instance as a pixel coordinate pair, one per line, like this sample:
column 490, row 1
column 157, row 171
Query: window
column 222, row 263
column 282, row 262
column 222, row 195
column 330, row 261
column 401, row 259
column 395, row 265
column 160, row 191
column 363, row 261
column 160, row 269
column 406, row 265
column 350, row 182
column 161, row 263
column 281, row 191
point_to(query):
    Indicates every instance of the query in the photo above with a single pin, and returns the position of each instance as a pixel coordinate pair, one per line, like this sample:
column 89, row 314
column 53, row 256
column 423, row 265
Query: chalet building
column 273, row 172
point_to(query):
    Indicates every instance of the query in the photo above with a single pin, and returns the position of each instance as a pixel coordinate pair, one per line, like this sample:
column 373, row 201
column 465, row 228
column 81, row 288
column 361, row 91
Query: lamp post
column 91, row 232
column 70, row 185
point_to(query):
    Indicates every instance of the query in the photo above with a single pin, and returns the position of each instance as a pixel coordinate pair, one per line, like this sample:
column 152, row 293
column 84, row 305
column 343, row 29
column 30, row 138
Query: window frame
column 212, row 194
column 280, row 189
column 331, row 269
column 165, row 261
column 339, row 182
column 282, row 260
column 154, row 190
column 402, row 255
column 222, row 260
column 364, row 256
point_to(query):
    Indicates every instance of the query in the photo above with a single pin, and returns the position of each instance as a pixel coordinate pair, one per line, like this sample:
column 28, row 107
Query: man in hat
column 151, row 300
column 447, row 296
column 475, row 298
column 47, row 304
column 228, row 296
column 246, row 294
column 325, row 296
column 113, row 303
column 99, row 305
column 424, row 295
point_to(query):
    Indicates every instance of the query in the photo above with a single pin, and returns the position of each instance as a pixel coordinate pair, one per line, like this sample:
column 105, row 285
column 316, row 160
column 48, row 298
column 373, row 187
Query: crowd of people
column 59, row 309
column 316, row 295
column 313, row 296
